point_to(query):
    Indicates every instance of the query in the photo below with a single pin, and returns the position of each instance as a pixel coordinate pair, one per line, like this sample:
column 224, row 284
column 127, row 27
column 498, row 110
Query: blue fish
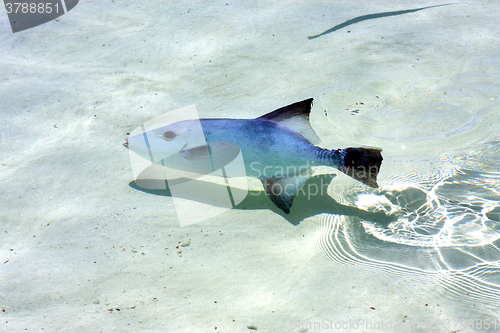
column 276, row 148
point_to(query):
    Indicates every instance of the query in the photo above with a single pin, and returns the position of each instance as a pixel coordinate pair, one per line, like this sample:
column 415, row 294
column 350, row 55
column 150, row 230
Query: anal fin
column 282, row 191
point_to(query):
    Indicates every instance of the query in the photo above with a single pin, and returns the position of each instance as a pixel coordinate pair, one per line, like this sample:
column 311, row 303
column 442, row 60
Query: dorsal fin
column 296, row 117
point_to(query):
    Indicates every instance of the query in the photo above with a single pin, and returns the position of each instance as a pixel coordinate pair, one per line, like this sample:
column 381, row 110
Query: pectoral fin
column 282, row 191
column 203, row 159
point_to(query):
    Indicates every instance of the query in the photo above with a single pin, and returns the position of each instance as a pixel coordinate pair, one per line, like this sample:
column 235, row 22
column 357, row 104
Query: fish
column 277, row 148
column 371, row 17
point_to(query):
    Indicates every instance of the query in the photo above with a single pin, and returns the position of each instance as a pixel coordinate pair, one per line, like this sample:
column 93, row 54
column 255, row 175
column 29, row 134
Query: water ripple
column 440, row 178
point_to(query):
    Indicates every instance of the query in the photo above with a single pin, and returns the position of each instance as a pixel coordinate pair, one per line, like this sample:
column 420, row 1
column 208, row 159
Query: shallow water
column 83, row 248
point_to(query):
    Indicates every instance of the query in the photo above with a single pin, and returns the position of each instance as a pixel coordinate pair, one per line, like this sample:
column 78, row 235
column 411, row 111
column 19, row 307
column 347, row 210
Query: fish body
column 274, row 148
column 269, row 150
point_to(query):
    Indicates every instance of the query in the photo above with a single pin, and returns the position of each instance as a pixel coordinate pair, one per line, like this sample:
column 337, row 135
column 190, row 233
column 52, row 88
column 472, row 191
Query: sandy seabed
column 83, row 251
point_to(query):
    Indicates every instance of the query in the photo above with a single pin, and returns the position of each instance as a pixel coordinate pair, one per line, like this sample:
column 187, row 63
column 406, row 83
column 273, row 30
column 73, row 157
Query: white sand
column 78, row 243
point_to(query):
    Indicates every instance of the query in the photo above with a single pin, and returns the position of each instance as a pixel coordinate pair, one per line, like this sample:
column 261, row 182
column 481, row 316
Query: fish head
column 163, row 142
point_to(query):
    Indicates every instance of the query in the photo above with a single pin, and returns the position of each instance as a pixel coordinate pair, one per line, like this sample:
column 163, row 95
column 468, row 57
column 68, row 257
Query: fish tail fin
column 362, row 164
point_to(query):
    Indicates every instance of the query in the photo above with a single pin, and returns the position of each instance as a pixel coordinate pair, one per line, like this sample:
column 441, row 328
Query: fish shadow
column 311, row 200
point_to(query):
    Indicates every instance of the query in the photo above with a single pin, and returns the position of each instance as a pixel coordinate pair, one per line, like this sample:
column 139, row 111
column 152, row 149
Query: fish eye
column 169, row 135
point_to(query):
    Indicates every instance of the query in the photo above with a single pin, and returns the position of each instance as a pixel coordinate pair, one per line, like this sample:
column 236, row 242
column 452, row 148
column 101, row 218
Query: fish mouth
column 126, row 143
